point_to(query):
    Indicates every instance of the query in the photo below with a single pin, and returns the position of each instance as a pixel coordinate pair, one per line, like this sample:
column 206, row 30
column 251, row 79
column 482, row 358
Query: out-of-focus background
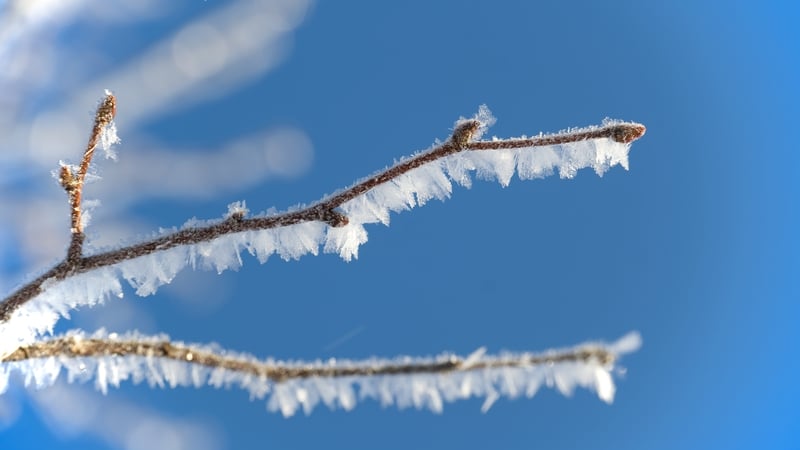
column 277, row 102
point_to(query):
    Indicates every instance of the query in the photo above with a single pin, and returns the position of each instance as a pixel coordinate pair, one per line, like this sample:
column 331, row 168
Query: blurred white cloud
column 71, row 411
column 49, row 87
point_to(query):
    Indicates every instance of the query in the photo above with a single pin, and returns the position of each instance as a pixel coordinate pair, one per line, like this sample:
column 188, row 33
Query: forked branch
column 323, row 211
column 73, row 182
column 110, row 359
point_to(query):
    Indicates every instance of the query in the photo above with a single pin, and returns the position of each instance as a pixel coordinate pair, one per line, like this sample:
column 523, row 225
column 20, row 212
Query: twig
column 72, row 347
column 323, row 211
column 73, row 183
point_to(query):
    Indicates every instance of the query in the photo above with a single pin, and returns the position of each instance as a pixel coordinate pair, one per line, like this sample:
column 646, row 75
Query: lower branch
column 111, row 358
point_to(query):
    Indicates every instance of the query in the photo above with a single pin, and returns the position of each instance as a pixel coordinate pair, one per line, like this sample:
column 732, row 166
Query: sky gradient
column 695, row 247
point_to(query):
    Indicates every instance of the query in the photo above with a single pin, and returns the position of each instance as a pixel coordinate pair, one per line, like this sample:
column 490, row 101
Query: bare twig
column 78, row 347
column 322, row 211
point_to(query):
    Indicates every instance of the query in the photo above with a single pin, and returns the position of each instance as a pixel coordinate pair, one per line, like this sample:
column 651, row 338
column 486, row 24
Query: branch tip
column 627, row 132
column 75, row 250
column 106, row 111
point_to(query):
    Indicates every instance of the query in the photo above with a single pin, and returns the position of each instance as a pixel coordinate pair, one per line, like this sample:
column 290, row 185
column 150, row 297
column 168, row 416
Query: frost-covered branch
column 72, row 178
column 562, row 151
column 334, row 224
column 405, row 381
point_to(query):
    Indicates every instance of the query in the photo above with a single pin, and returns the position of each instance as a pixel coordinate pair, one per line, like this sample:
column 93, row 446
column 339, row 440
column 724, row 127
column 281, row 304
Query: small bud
column 66, row 179
column 627, row 132
column 237, row 211
column 107, row 110
column 464, row 132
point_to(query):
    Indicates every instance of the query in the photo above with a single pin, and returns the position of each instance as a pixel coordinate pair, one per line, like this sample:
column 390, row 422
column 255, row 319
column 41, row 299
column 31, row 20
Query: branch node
column 334, row 218
column 75, row 250
column 627, row 132
column 464, row 132
column 66, row 179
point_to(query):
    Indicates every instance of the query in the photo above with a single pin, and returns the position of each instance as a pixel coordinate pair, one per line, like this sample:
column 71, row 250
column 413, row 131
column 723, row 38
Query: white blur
column 120, row 423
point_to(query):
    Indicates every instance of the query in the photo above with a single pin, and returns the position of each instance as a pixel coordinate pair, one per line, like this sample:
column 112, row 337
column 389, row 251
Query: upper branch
column 322, row 211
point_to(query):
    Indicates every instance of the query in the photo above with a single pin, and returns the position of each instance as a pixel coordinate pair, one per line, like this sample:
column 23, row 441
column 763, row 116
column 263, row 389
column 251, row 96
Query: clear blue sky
column 695, row 246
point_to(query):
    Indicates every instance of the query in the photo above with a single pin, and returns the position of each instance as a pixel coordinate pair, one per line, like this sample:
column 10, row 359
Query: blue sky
column 694, row 247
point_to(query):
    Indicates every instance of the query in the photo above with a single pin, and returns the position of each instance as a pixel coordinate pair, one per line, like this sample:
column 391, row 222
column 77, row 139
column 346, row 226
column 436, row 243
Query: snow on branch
column 428, row 382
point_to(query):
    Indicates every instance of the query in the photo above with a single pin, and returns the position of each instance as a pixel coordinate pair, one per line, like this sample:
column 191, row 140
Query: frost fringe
column 334, row 224
column 110, row 359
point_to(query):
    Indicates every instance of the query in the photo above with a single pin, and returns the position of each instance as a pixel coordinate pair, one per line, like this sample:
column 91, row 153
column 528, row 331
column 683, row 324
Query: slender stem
column 76, row 347
column 322, row 211
column 73, row 183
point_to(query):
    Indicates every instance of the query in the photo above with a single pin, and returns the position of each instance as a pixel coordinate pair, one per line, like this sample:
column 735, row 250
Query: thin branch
column 322, row 211
column 73, row 182
column 79, row 347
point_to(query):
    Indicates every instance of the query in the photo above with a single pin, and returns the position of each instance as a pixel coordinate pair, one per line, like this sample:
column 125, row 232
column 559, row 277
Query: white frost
column 109, row 137
column 420, row 391
column 59, row 297
column 414, row 188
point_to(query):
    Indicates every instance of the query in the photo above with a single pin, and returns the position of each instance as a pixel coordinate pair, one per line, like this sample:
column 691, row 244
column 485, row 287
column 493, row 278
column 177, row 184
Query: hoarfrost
column 415, row 187
column 475, row 378
column 237, row 209
column 58, row 297
column 147, row 273
column 109, row 137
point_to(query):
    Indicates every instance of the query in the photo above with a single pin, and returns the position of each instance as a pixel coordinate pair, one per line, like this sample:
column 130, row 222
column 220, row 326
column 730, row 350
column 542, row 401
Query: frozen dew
column 459, row 167
column 345, row 240
column 220, row 254
column 108, row 138
column 494, row 165
column 237, row 209
column 294, row 241
column 261, row 244
column 39, row 315
column 147, row 273
column 538, row 163
column 479, row 376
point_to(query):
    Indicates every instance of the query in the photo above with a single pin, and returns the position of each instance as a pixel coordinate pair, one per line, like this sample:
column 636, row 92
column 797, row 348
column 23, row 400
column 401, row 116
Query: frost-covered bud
column 464, row 132
column 237, row 210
